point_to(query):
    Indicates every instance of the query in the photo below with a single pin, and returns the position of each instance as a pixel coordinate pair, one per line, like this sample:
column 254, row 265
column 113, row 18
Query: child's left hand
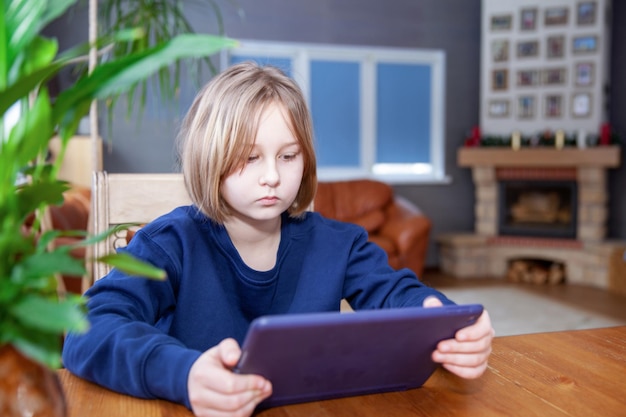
column 466, row 355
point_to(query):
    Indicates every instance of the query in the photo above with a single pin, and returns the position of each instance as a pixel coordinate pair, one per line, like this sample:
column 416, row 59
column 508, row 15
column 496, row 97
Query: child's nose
column 270, row 175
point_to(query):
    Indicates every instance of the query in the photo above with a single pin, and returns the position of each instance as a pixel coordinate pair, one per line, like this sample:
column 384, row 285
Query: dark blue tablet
column 316, row 356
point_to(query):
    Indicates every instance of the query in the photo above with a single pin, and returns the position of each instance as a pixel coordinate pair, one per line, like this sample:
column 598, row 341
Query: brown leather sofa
column 393, row 223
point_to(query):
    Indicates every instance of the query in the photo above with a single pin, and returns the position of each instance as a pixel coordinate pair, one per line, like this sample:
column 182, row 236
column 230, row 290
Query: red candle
column 476, row 135
column 605, row 134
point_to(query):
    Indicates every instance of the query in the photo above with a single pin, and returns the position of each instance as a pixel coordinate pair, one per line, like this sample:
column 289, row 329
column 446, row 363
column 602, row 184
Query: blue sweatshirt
column 146, row 334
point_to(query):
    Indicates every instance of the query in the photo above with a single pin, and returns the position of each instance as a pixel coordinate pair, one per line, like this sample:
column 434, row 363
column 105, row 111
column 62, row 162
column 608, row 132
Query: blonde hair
column 219, row 130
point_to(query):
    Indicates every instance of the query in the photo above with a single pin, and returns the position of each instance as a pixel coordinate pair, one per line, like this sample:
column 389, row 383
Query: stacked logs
column 536, row 272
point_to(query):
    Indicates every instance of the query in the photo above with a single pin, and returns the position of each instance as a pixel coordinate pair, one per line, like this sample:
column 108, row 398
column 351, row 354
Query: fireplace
column 539, row 207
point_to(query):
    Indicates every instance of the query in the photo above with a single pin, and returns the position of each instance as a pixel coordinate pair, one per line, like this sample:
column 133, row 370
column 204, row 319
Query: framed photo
column 554, row 76
column 586, row 13
column 526, row 78
column 528, row 19
column 581, row 104
column 583, row 74
column 500, row 50
column 553, row 105
column 526, row 107
column 500, row 79
column 585, row 44
column 501, row 22
column 527, row 49
column 555, row 47
column 499, row 108
column 556, row 16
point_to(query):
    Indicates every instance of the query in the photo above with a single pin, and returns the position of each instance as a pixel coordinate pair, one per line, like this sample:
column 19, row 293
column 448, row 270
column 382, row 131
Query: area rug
column 515, row 311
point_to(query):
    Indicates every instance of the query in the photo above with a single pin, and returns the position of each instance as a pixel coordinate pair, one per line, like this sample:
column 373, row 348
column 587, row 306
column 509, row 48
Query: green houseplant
column 33, row 318
column 161, row 20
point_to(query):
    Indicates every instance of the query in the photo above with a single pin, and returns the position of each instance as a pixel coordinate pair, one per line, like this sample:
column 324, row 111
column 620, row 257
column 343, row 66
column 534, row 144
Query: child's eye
column 289, row 156
column 252, row 158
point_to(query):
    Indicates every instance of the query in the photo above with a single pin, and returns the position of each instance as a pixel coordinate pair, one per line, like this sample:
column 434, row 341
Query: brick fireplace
column 541, row 204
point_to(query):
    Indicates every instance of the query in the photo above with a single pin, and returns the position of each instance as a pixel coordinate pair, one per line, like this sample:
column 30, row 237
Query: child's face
column 270, row 179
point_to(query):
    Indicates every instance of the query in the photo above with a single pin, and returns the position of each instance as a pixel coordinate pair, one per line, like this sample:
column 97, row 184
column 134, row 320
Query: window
column 377, row 112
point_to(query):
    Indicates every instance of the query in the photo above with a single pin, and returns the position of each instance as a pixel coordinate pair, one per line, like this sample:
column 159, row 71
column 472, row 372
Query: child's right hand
column 214, row 390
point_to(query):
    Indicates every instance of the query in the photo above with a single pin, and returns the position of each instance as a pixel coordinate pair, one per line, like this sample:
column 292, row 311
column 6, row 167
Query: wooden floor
column 593, row 299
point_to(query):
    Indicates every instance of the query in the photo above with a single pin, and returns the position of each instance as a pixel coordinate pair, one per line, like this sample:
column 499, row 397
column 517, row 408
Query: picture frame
column 554, row 76
column 500, row 79
column 586, row 13
column 556, row 16
column 584, row 44
column 528, row 19
column 501, row 22
column 527, row 49
column 500, row 50
column 581, row 105
column 553, row 106
column 526, row 107
column 528, row 77
column 498, row 108
column 555, row 46
column 583, row 74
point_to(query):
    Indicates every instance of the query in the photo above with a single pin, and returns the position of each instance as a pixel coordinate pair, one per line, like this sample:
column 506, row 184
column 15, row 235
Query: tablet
column 316, row 356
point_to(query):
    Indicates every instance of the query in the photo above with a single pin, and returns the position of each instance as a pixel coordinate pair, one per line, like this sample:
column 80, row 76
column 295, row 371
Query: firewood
column 556, row 274
column 538, row 274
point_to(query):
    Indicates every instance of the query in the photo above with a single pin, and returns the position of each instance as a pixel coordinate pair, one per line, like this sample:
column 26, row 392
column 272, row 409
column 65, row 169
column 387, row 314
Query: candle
column 581, row 139
column 476, row 136
column 605, row 134
column 516, row 140
column 559, row 139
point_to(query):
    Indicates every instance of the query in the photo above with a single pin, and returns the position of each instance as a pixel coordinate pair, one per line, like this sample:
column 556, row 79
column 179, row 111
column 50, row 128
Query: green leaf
column 49, row 263
column 39, row 54
column 103, row 235
column 33, row 130
column 26, row 84
column 116, row 77
column 132, row 266
column 50, row 315
column 28, row 18
column 43, row 347
column 30, row 197
column 182, row 46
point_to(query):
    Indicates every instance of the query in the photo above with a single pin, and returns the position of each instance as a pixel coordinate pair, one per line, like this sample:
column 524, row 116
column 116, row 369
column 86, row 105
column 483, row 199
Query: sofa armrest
column 409, row 230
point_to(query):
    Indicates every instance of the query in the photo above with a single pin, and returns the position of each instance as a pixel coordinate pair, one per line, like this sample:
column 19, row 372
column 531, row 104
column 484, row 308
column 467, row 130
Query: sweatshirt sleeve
column 127, row 348
column 371, row 283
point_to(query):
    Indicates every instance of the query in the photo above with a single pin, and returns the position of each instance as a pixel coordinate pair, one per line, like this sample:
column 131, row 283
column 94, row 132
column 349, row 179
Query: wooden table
column 573, row 373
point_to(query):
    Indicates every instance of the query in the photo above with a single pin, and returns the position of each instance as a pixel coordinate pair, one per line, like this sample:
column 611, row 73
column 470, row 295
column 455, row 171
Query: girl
column 246, row 247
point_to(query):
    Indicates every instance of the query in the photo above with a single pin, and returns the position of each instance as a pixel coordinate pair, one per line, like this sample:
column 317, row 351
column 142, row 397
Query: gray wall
column 146, row 144
column 617, row 116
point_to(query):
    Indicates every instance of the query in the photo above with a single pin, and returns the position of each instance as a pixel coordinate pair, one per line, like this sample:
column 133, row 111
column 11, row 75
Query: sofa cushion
column 393, row 223
column 73, row 214
column 354, row 201
column 371, row 221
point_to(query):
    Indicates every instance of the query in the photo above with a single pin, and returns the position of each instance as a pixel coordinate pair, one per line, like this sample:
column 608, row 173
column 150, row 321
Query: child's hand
column 214, row 390
column 466, row 355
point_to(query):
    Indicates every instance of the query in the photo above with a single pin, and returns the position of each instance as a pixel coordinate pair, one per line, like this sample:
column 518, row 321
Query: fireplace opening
column 538, row 208
column 536, row 271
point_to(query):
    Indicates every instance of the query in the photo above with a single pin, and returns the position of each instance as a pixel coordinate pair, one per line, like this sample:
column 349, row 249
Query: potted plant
column 33, row 318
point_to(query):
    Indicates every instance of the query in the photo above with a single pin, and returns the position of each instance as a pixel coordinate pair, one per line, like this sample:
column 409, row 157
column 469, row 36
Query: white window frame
column 301, row 55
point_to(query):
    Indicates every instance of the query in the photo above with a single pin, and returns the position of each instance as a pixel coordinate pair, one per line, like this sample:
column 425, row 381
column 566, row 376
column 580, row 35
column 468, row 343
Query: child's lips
column 268, row 200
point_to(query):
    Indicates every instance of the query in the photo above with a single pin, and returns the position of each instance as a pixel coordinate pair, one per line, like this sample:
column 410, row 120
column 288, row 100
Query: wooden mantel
column 600, row 156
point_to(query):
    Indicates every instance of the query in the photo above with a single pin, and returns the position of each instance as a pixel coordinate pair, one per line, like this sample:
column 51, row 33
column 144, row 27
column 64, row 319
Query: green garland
column 544, row 139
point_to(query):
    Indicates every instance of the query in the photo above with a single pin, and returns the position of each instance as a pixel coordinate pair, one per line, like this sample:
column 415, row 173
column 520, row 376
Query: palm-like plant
column 161, row 20
column 32, row 317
